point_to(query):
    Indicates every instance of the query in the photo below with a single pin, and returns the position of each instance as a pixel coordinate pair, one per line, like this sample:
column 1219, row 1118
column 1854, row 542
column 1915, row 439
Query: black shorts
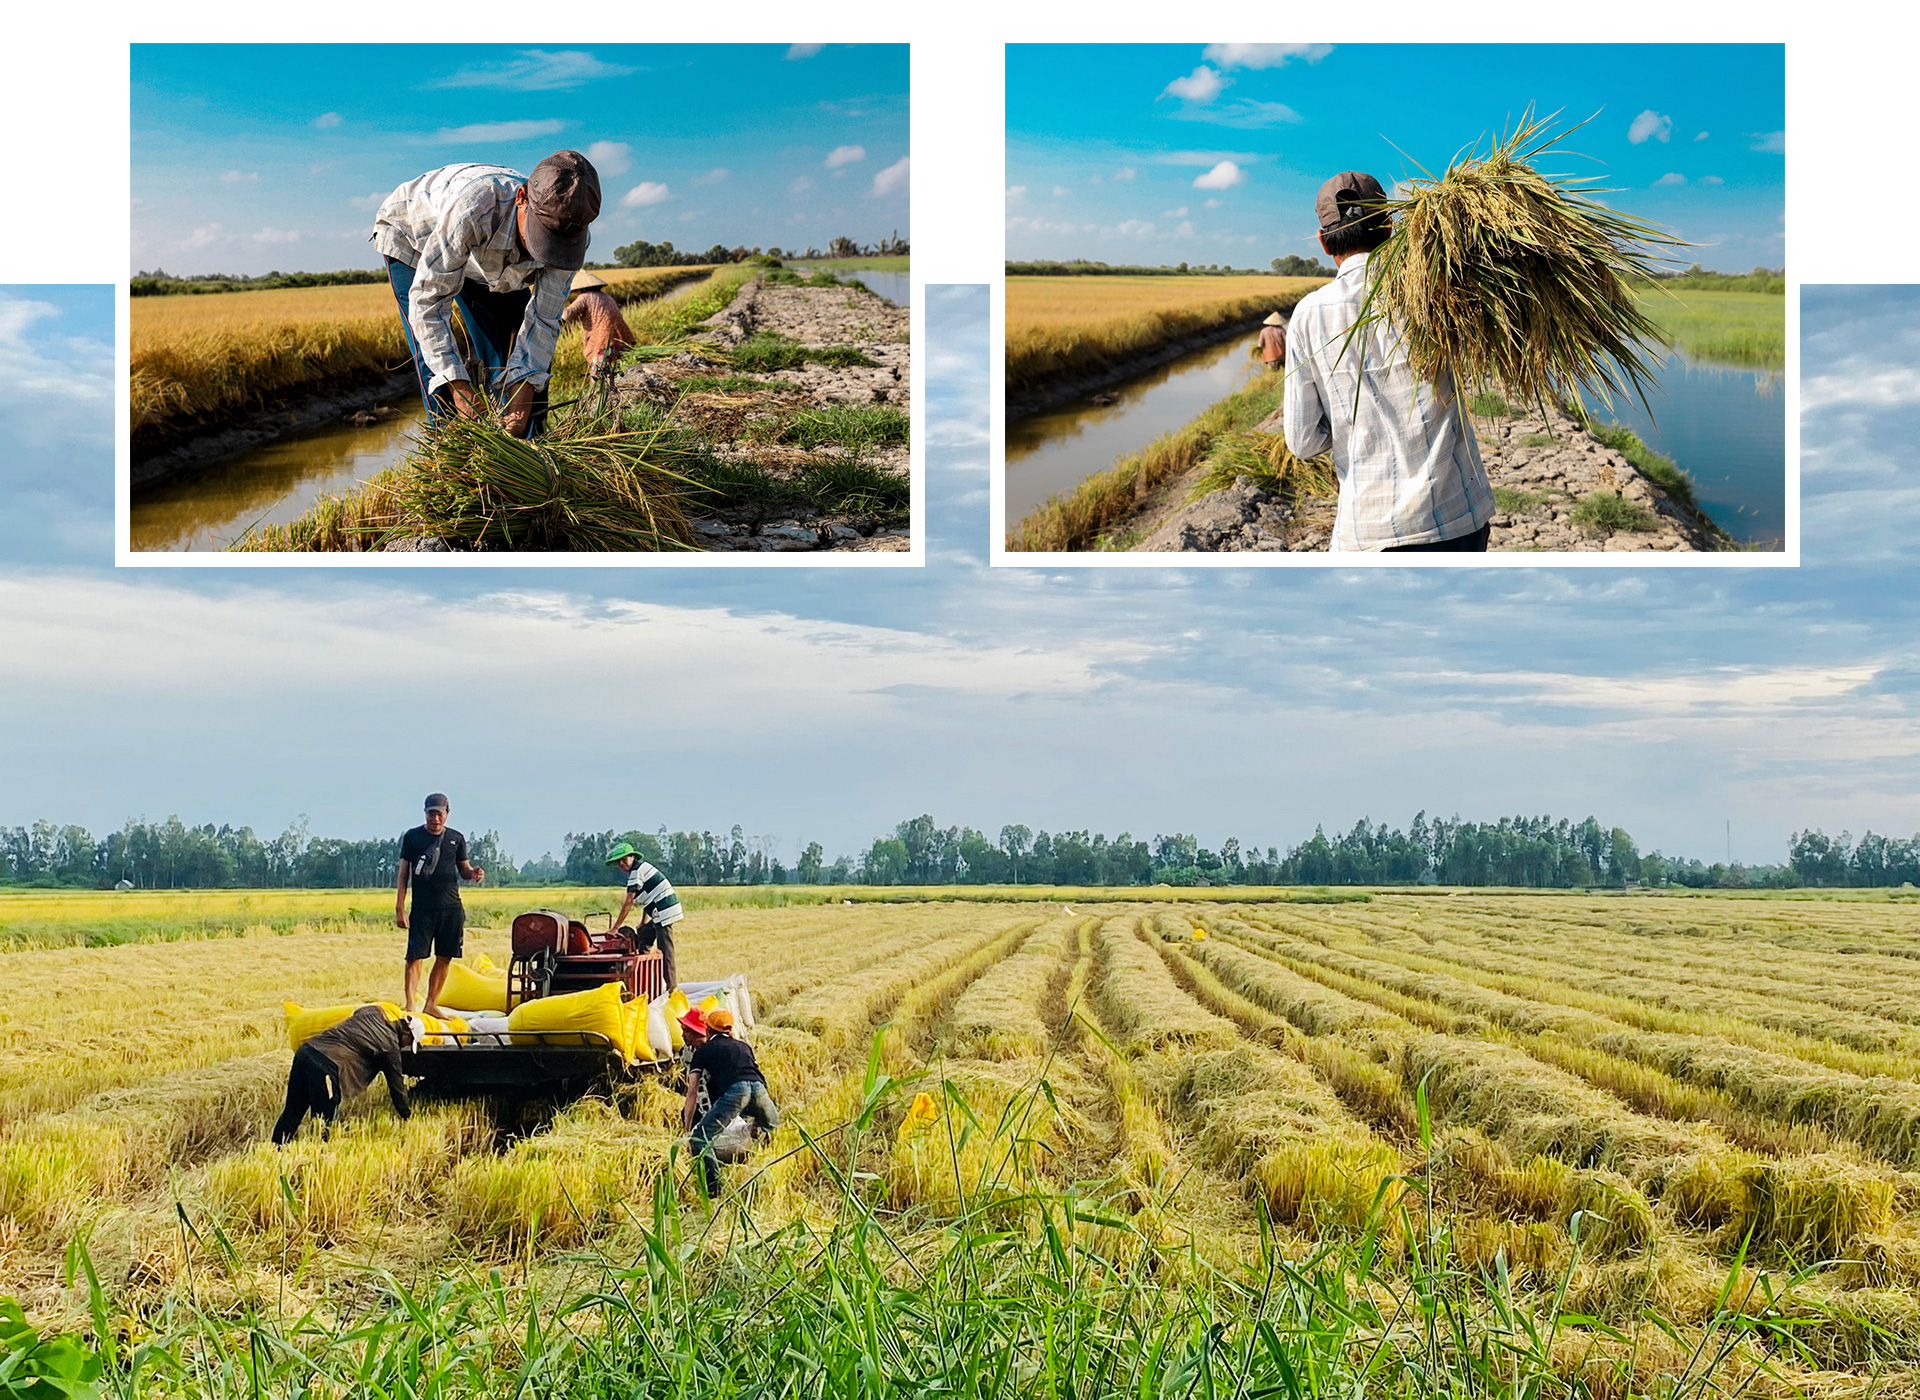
column 439, row 932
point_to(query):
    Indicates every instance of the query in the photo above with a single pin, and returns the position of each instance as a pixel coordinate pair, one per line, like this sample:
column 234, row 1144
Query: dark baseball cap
column 437, row 802
column 1350, row 195
column 563, row 197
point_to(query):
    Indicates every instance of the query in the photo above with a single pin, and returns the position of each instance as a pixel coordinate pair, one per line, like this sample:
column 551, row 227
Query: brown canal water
column 1055, row 450
column 212, row 507
column 209, row 508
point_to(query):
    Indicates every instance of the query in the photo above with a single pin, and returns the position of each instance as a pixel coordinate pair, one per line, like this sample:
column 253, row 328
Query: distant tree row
column 1697, row 279
column 1288, row 266
column 159, row 283
column 1530, row 852
column 641, row 253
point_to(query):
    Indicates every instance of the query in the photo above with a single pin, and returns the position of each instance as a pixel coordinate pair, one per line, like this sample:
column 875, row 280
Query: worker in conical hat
column 1273, row 342
column 607, row 332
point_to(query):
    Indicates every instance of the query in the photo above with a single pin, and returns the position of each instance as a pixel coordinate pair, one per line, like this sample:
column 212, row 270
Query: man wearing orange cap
column 724, row 1065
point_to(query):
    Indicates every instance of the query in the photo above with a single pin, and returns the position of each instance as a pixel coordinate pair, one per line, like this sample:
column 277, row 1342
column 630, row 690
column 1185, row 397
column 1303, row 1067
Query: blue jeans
column 749, row 1098
column 492, row 320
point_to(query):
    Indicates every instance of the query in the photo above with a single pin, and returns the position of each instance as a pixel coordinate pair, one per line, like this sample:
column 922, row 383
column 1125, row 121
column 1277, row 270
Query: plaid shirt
column 456, row 223
column 1408, row 461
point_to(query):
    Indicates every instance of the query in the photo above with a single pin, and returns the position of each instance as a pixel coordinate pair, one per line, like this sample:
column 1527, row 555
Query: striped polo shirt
column 658, row 903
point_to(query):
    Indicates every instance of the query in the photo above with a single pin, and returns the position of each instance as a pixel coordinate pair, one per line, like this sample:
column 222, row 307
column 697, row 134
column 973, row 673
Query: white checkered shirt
column 1408, row 461
column 458, row 222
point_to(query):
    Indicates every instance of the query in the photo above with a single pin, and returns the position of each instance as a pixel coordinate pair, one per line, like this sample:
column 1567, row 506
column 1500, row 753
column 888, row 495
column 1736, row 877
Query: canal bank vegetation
column 213, row 360
column 1061, row 326
column 1080, row 518
column 1743, row 328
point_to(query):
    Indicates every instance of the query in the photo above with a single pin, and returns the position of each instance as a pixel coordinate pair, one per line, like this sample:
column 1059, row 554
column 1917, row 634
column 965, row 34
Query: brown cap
column 563, row 197
column 1350, row 195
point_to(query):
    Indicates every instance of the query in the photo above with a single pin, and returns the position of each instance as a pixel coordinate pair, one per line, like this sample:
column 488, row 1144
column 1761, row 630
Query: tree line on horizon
column 1528, row 852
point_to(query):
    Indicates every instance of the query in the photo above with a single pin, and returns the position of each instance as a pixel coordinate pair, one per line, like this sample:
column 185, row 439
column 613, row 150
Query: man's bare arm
column 400, row 897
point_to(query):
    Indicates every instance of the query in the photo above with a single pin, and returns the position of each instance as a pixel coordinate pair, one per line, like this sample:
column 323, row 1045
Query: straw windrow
column 1515, row 280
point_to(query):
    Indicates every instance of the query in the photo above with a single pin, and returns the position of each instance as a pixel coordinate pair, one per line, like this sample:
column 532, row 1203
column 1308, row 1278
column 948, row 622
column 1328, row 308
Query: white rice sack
column 658, row 1036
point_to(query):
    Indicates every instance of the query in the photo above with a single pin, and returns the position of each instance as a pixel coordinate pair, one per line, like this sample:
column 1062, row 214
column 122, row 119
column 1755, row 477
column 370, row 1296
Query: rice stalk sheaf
column 1513, row 279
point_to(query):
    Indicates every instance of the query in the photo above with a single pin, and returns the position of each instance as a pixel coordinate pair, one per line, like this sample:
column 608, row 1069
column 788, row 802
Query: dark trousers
column 492, row 319
column 1476, row 543
column 650, row 936
column 313, row 1086
column 743, row 1099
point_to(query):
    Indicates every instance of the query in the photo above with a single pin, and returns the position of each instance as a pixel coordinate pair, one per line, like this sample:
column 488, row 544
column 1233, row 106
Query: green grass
column 1609, row 513
column 1537, row 440
column 1663, row 472
column 1748, row 329
column 726, row 384
column 1516, row 502
column 853, row 427
column 891, row 263
column 850, row 486
column 1266, row 459
column 766, row 351
column 1489, row 404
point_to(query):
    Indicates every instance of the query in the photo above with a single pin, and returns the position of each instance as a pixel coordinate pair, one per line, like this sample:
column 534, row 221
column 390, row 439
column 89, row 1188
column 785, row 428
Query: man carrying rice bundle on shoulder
column 503, row 247
column 1409, row 464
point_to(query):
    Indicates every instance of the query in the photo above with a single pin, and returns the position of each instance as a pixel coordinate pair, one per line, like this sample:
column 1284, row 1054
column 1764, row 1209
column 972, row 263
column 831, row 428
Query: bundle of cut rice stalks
column 585, row 484
column 1515, row 280
column 1269, row 461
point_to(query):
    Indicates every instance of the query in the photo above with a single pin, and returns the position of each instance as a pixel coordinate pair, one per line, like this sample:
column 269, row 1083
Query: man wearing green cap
column 659, row 906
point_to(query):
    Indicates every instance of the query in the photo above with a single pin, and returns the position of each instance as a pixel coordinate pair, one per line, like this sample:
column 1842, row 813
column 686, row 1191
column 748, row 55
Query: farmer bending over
column 725, row 1067
column 607, row 333
column 1409, row 465
column 333, row 1066
column 433, row 857
column 659, row 907
column 1273, row 342
column 503, row 247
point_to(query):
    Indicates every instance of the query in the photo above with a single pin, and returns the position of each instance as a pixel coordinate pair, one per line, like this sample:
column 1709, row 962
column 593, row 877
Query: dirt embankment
column 743, row 414
column 1542, row 468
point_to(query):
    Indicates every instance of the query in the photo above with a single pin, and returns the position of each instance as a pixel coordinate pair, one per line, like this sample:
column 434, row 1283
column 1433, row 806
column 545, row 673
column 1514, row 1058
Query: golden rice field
column 232, row 352
column 1058, row 326
column 1657, row 1112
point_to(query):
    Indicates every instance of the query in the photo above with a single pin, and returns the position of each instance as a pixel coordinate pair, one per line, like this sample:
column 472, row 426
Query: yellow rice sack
column 303, row 1025
column 676, row 1008
column 598, row 1011
column 470, row 989
column 435, row 1029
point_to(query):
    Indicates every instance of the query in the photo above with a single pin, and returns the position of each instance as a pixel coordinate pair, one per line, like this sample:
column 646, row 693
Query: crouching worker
column 659, row 907
column 724, row 1067
column 333, row 1066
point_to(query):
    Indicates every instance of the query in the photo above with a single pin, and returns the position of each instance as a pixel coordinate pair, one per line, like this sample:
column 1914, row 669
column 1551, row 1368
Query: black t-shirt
column 724, row 1062
column 438, row 887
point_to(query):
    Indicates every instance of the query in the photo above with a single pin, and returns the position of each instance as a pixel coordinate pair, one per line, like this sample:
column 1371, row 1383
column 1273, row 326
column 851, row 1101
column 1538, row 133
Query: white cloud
column 1125, row 172
column 844, row 155
column 610, row 157
column 326, row 120
column 1725, row 691
column 803, row 50
column 1185, row 230
column 237, row 177
column 800, row 186
column 1061, row 191
column 369, row 201
column 1672, row 177
column 1202, row 85
column 497, row 131
column 204, row 237
column 1223, row 176
column 1650, row 125
column 1247, row 114
column 713, row 176
column 1264, row 55
column 1772, row 141
column 536, row 70
column 645, row 193
column 1887, row 388
column 1179, row 213
column 1711, row 180
column 277, row 235
column 1016, row 192
column 1214, row 203
column 892, row 178
column 1701, row 137
column 1134, row 228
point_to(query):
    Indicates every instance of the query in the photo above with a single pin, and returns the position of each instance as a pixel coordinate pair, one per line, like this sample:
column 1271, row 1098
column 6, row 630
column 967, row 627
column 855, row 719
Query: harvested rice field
column 1628, row 1144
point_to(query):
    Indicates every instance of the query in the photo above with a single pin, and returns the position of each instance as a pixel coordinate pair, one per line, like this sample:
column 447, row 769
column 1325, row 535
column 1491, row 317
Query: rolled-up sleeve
column 532, row 356
column 1309, row 433
column 437, row 280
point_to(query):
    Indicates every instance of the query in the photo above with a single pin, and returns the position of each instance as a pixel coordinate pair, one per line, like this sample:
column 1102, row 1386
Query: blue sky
column 830, row 704
column 248, row 158
column 1142, row 153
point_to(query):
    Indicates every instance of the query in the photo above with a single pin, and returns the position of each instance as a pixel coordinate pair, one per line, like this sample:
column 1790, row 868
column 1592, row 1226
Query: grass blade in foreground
column 1517, row 280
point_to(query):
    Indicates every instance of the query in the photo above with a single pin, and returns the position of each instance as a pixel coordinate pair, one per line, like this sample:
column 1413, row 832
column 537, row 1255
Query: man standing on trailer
column 433, row 857
column 503, row 247
column 659, row 906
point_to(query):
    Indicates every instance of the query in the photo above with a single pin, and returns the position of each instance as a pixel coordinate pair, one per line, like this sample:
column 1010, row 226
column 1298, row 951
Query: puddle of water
column 211, row 507
column 1727, row 427
column 894, row 287
column 1055, row 450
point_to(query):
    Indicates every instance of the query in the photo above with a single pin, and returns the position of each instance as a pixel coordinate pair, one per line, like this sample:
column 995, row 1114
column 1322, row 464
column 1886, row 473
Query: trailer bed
column 465, row 1061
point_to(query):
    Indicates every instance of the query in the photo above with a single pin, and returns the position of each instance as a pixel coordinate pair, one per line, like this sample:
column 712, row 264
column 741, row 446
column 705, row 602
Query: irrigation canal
column 209, row 508
column 896, row 287
column 1058, row 448
column 1726, row 426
